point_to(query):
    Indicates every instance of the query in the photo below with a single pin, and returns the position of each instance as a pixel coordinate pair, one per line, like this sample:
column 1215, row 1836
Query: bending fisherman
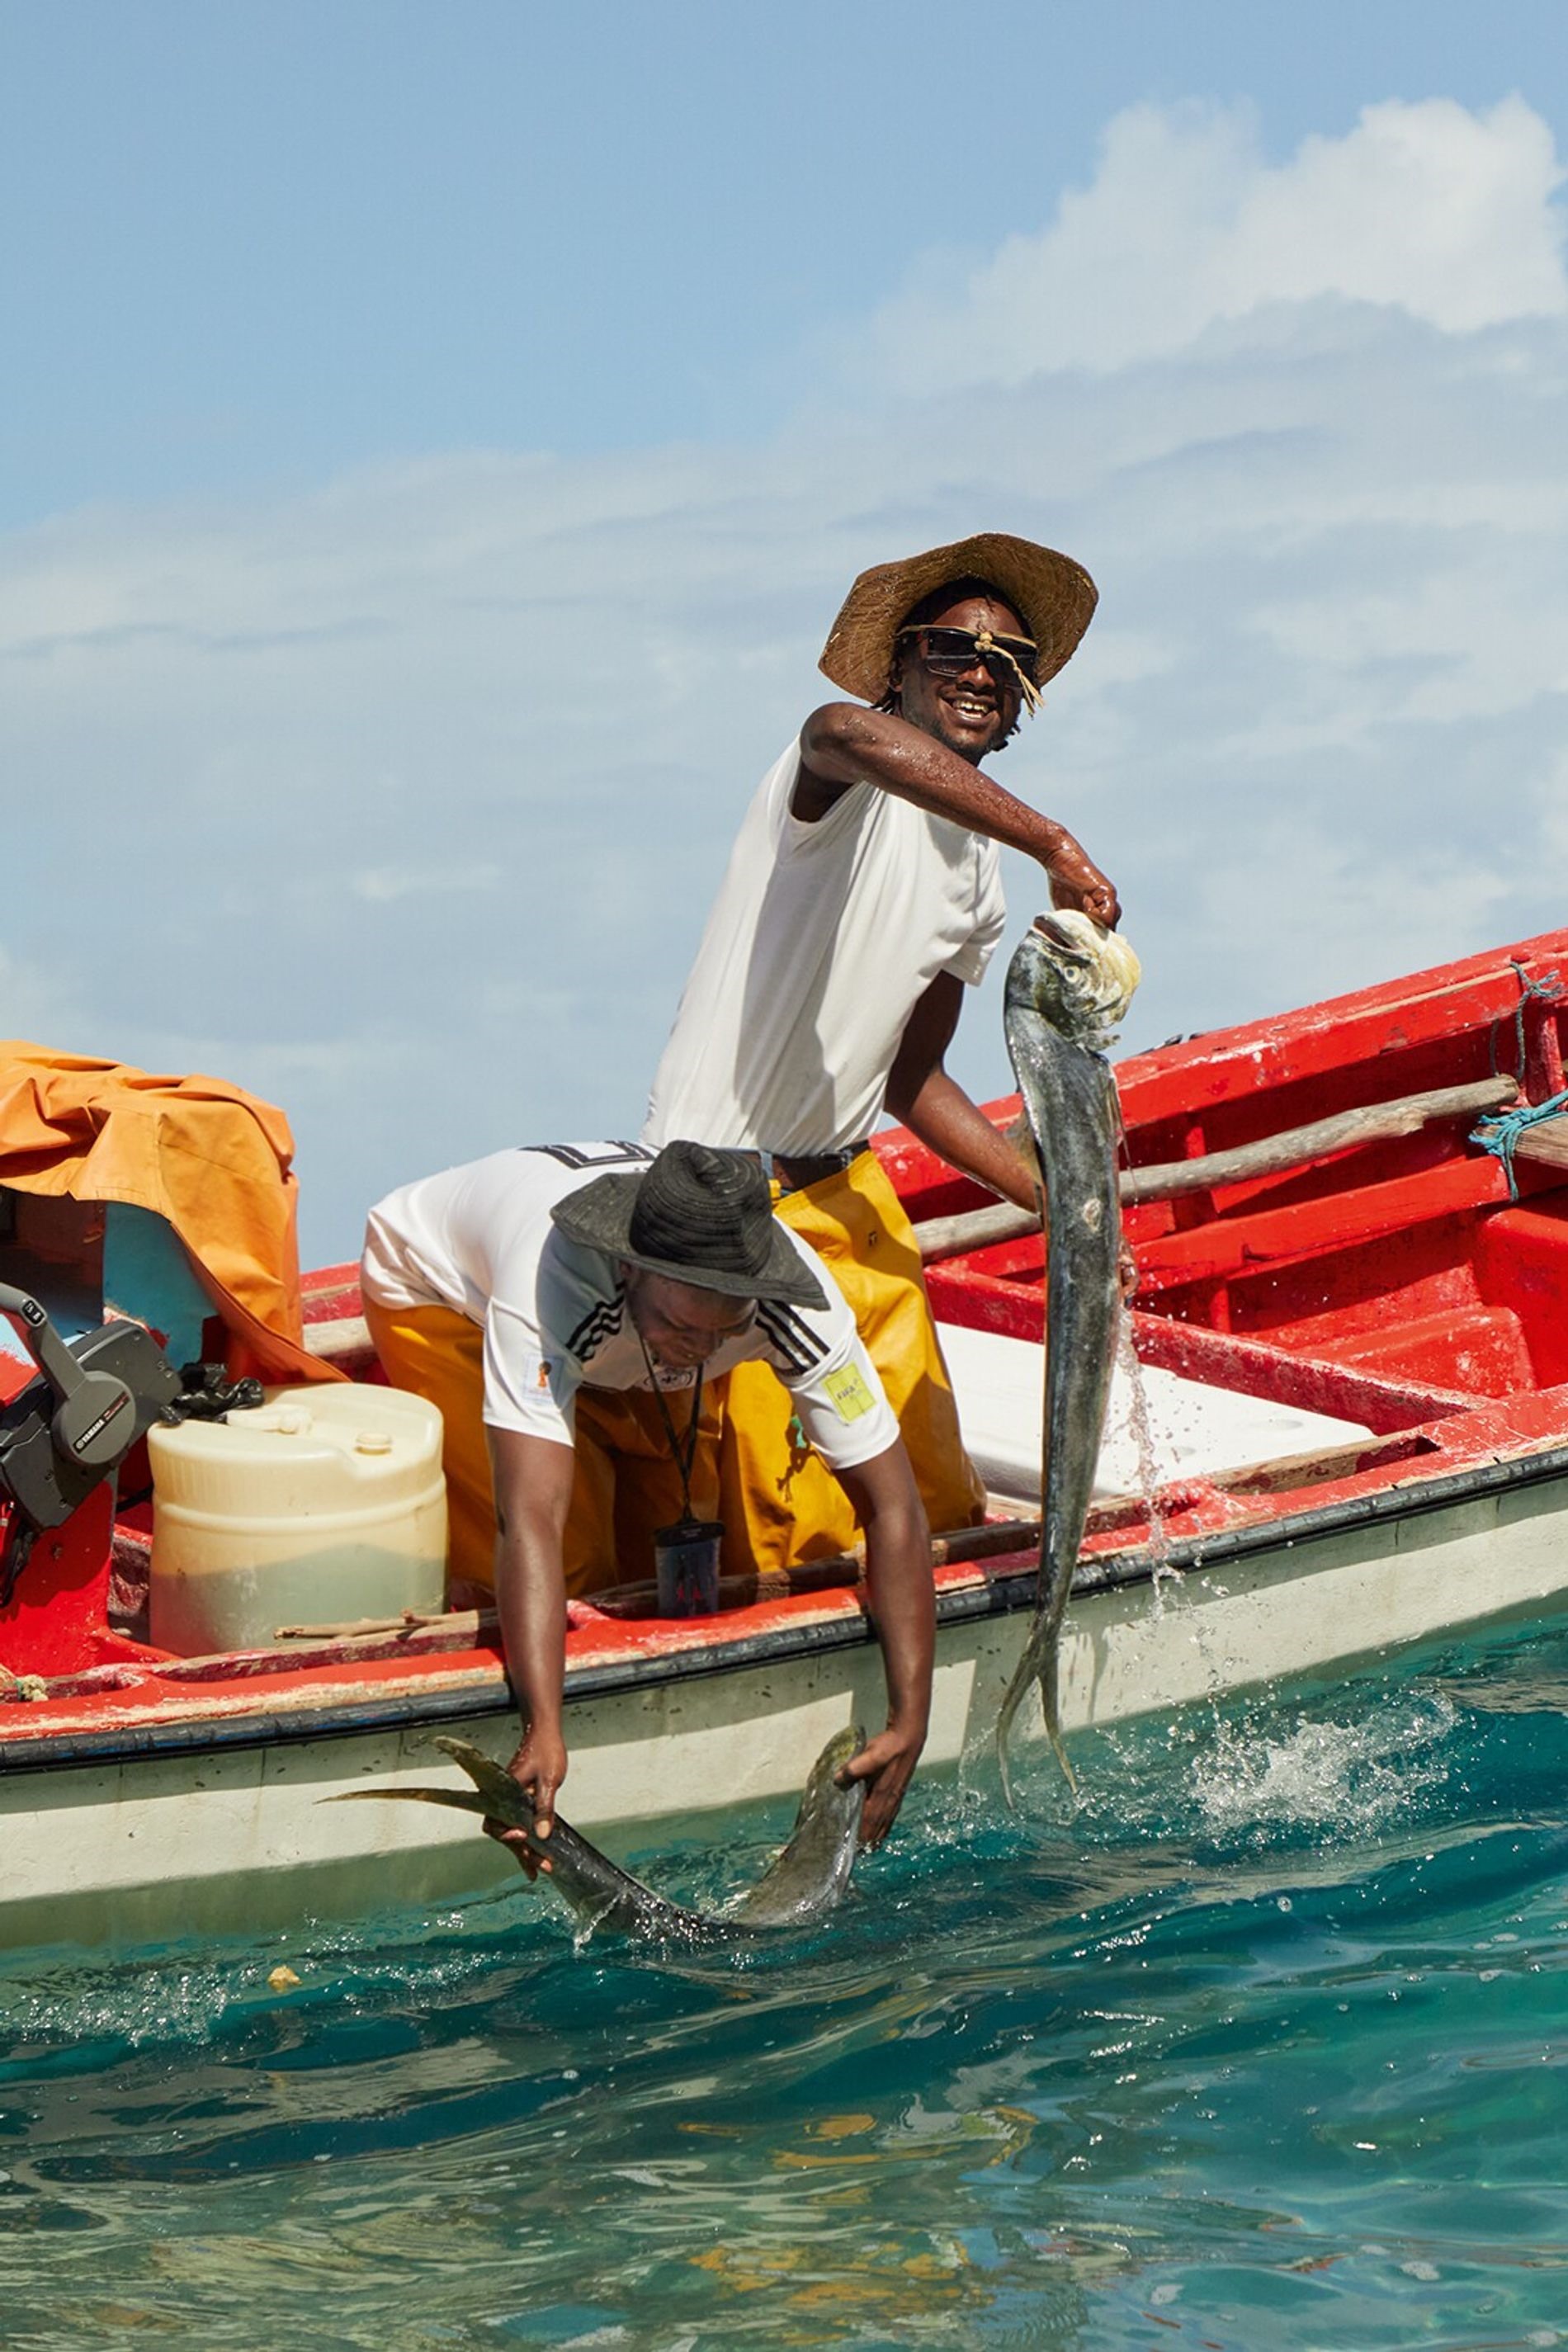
column 564, row 1307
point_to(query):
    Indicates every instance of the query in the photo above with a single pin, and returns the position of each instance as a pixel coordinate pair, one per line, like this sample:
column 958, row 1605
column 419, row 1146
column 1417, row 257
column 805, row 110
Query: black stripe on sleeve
column 609, row 1155
column 795, row 1341
column 602, row 1322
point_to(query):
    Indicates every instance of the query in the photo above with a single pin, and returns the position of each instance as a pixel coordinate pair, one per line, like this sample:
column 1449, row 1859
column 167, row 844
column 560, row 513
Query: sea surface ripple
column 1260, row 2049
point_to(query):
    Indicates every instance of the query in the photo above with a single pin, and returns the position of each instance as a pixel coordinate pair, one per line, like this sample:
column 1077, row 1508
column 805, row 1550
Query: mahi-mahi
column 799, row 1887
column 1069, row 987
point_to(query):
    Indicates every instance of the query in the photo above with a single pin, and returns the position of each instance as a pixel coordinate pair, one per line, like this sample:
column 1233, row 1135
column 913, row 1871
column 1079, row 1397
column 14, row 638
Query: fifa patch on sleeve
column 848, row 1392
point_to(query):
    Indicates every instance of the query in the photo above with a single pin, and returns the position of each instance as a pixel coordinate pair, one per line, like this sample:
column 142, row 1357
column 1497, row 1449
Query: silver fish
column 1069, row 983
column 800, row 1887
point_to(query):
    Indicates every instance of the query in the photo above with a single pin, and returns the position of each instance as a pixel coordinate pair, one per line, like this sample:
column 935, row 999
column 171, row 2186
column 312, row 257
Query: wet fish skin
column 810, row 1872
column 1058, row 1014
column 800, row 1887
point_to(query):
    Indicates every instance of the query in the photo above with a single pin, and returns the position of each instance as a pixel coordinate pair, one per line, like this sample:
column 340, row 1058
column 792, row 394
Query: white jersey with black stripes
column 479, row 1239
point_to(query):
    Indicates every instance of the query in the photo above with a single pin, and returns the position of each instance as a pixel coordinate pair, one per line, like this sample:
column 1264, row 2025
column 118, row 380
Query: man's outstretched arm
column 844, row 743
column 935, row 1108
column 533, row 1492
column 903, row 1605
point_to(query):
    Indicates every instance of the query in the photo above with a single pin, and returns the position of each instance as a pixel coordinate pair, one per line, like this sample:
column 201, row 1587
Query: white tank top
column 821, row 941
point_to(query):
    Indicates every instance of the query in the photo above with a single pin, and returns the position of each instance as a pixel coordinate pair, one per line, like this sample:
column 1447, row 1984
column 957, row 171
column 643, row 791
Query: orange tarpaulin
column 213, row 1161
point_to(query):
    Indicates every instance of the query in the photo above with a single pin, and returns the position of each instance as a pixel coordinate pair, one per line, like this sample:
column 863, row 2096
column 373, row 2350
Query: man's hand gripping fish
column 798, row 1888
column 1069, row 987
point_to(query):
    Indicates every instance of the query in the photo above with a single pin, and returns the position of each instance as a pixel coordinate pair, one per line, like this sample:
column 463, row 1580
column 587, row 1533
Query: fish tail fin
column 1053, row 1732
column 504, row 1800
column 1004, row 1713
column 1051, row 1709
column 495, row 1795
column 465, row 1800
column 1045, row 1677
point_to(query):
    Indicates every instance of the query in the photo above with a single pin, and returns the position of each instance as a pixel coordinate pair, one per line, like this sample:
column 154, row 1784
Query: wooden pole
column 1293, row 1148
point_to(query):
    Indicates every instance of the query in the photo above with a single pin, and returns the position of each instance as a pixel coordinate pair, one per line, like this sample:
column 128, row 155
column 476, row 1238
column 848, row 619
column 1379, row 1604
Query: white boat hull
column 233, row 1839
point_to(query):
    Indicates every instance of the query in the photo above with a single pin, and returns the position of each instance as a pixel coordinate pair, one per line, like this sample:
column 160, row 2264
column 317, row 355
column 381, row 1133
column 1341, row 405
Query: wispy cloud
column 429, row 862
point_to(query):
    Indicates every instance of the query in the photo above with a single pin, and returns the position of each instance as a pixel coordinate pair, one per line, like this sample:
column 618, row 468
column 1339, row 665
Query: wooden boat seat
column 1480, row 1349
column 1195, row 1429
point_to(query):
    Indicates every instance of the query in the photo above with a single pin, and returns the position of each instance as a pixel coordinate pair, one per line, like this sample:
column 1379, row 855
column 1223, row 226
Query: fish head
column 836, row 1807
column 1075, row 975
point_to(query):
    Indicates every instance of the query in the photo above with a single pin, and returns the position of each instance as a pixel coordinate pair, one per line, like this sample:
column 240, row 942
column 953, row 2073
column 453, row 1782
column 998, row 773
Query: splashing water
column 1354, row 1778
column 1136, row 1392
column 1263, row 2046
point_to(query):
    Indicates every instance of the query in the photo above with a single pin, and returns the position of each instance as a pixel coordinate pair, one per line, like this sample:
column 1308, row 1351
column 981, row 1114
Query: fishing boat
column 1351, row 1344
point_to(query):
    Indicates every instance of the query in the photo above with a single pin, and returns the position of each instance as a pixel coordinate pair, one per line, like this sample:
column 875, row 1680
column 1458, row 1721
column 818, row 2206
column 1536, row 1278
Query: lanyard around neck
column 682, row 1460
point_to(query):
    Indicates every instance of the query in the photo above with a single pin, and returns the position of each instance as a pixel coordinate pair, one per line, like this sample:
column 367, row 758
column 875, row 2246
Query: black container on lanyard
column 686, row 1554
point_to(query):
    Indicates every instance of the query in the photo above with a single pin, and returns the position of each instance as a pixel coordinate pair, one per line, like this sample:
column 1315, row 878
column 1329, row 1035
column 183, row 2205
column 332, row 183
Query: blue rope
column 1499, row 1133
column 1548, row 988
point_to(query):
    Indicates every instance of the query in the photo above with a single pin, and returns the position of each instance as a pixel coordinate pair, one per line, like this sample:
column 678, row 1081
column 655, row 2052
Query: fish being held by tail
column 798, row 1888
column 1069, row 987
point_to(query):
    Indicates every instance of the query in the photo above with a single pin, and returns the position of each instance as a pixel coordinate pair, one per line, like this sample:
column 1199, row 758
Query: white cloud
column 401, row 801
column 1443, row 214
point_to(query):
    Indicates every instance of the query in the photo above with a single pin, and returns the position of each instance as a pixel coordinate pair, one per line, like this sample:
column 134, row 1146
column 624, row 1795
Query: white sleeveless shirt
column 821, row 941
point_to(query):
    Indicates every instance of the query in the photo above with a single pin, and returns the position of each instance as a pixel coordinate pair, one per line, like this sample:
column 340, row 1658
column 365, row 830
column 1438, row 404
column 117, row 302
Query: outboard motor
column 62, row 1438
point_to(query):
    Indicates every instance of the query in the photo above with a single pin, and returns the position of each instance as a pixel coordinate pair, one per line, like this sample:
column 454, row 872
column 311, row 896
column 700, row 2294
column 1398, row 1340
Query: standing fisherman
column 563, row 1306
column 862, row 896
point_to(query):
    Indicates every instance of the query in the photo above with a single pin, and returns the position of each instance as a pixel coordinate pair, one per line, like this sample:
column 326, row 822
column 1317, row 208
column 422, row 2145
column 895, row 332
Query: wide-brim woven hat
column 1053, row 597
column 698, row 1215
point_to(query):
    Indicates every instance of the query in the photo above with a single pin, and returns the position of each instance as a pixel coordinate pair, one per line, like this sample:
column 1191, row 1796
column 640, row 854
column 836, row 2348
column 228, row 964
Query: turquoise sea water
column 1261, row 2049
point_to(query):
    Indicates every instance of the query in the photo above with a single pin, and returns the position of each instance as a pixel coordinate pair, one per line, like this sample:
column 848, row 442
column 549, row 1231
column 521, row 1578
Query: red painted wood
column 1246, row 1244
column 330, row 1293
column 1481, row 1351
column 54, row 1620
column 1368, row 1024
column 1521, row 1262
column 1395, row 1286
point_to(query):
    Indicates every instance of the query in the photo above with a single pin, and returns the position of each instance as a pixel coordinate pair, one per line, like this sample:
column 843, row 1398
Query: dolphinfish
column 1068, row 986
column 800, row 1887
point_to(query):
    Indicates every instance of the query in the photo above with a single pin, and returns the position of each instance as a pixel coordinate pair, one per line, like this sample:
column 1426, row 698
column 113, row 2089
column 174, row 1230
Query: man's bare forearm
column 945, row 1120
column 845, row 745
column 531, row 1603
column 898, row 1570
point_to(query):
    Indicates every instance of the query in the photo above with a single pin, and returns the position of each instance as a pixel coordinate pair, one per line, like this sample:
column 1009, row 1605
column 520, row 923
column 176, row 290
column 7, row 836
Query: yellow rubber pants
column 778, row 1500
column 627, row 1483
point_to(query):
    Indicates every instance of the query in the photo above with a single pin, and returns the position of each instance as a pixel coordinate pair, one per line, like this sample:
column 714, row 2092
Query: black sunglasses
column 948, row 653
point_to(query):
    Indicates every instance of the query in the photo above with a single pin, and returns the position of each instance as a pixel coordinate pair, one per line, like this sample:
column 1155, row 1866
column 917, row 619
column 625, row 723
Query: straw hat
column 1053, row 596
column 698, row 1215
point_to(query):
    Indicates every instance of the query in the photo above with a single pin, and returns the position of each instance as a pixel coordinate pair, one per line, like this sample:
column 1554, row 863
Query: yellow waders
column 778, row 1500
column 627, row 1483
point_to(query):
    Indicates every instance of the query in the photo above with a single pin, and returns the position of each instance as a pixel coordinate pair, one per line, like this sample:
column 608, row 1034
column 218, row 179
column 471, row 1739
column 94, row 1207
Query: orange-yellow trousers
column 627, row 1483
column 778, row 1500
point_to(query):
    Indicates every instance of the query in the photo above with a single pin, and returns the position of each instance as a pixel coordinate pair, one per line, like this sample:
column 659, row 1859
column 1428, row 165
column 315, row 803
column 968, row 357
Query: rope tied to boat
column 1548, row 990
column 28, row 1688
column 1499, row 1133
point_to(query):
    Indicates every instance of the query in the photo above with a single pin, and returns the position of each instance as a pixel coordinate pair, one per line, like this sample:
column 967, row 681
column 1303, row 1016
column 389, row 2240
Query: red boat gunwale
column 1395, row 1284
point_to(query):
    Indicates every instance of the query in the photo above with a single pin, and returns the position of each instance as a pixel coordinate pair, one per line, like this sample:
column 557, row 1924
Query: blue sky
column 437, row 440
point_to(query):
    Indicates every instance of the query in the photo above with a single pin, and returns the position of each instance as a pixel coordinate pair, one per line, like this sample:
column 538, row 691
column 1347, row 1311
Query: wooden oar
column 1293, row 1147
column 974, row 1228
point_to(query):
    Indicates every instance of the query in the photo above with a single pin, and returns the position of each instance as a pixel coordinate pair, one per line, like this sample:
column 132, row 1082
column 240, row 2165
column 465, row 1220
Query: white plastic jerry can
column 326, row 1503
